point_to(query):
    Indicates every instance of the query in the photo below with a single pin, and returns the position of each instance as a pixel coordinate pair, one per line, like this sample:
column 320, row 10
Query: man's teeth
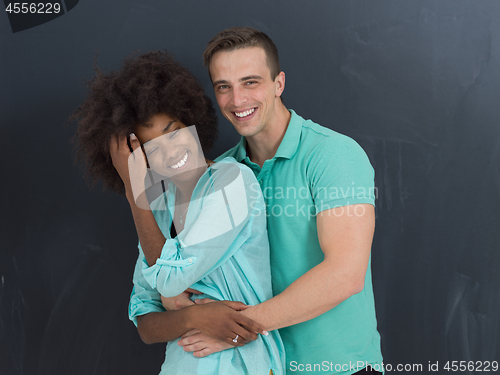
column 181, row 162
column 245, row 114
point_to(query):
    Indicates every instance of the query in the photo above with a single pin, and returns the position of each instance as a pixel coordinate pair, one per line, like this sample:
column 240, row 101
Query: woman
column 201, row 227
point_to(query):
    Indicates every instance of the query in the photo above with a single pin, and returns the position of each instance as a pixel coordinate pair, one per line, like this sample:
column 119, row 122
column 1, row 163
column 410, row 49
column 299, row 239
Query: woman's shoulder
column 229, row 174
column 230, row 164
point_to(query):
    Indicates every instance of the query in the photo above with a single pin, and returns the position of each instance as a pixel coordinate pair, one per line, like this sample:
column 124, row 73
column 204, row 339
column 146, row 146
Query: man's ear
column 280, row 83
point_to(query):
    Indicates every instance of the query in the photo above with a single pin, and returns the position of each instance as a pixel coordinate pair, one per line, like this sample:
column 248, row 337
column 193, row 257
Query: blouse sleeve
column 144, row 299
column 219, row 221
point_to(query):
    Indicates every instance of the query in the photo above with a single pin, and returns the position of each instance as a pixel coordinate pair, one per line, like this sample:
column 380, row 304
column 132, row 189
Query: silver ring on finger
column 235, row 340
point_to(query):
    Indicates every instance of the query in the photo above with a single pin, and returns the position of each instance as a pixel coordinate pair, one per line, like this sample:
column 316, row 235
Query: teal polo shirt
column 315, row 169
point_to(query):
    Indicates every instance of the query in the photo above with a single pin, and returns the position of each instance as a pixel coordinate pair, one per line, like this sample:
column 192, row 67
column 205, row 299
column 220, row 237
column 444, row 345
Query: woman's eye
column 150, row 151
column 173, row 133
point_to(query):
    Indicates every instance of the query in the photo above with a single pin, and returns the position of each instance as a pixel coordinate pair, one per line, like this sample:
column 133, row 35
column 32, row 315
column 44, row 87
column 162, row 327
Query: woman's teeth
column 245, row 114
column 181, row 162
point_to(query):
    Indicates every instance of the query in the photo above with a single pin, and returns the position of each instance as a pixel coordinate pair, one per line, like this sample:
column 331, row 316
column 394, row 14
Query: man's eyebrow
column 249, row 77
column 220, row 82
column 243, row 79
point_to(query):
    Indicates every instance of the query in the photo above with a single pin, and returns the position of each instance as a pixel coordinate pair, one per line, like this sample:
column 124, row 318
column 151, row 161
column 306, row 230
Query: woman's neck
column 185, row 188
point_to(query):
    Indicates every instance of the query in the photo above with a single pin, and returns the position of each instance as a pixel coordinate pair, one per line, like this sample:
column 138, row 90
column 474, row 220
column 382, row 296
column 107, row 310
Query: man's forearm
column 346, row 243
column 317, row 291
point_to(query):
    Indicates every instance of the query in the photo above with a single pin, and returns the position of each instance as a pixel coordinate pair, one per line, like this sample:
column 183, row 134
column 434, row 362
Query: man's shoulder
column 315, row 135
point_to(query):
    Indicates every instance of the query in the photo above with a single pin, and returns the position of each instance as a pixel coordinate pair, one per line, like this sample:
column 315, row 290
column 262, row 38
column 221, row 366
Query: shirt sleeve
column 341, row 174
column 144, row 299
column 219, row 221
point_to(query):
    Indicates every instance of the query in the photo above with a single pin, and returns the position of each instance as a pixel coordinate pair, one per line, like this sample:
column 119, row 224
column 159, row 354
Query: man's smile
column 246, row 113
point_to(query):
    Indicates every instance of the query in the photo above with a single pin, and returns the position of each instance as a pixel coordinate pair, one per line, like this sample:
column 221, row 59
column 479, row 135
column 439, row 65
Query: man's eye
column 250, row 82
column 223, row 87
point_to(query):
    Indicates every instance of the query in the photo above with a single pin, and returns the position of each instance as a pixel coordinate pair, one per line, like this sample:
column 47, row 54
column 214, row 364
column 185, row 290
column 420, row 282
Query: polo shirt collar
column 289, row 144
column 241, row 153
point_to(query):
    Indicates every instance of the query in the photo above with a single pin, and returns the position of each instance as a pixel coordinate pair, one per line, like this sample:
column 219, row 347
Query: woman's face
column 170, row 147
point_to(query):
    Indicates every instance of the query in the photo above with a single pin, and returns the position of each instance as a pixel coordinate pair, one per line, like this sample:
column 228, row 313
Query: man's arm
column 345, row 239
column 345, row 236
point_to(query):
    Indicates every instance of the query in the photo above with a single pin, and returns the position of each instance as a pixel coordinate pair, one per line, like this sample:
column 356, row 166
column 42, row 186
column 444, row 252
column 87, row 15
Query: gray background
column 416, row 83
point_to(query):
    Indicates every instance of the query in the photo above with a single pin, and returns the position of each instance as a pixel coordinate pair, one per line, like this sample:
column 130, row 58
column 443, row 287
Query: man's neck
column 263, row 146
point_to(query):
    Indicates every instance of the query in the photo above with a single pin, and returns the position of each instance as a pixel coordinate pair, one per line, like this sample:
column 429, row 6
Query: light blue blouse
column 223, row 252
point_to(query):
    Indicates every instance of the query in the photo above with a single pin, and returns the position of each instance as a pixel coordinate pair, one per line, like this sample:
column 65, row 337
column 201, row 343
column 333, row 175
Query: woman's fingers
column 251, row 325
column 203, row 301
column 114, row 146
column 242, row 336
column 134, row 142
column 221, row 322
column 236, row 305
column 118, row 146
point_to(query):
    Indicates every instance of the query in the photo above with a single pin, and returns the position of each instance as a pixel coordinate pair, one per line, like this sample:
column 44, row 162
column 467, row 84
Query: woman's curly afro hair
column 146, row 85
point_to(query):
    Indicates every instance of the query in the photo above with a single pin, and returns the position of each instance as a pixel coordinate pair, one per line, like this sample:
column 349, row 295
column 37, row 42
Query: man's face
column 245, row 92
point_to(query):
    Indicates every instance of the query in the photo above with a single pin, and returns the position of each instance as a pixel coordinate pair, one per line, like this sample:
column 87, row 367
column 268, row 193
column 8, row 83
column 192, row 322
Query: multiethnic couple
column 232, row 288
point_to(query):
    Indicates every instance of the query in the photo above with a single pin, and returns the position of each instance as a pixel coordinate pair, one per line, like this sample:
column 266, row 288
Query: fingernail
column 132, row 136
column 265, row 333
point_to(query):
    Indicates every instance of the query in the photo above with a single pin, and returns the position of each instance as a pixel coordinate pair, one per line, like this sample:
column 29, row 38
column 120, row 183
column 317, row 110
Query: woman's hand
column 221, row 320
column 235, row 305
column 131, row 166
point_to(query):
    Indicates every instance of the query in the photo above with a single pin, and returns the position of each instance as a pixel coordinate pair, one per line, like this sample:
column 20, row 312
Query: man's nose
column 239, row 96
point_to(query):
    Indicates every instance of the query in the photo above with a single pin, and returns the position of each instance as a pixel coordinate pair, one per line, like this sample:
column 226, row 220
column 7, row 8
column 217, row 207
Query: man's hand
column 177, row 302
column 201, row 345
column 345, row 239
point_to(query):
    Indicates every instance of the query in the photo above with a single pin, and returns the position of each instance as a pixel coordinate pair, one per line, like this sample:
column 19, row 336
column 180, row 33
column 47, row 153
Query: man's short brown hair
column 243, row 37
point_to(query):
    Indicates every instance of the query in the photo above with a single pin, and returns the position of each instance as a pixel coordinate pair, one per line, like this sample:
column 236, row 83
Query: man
column 318, row 187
